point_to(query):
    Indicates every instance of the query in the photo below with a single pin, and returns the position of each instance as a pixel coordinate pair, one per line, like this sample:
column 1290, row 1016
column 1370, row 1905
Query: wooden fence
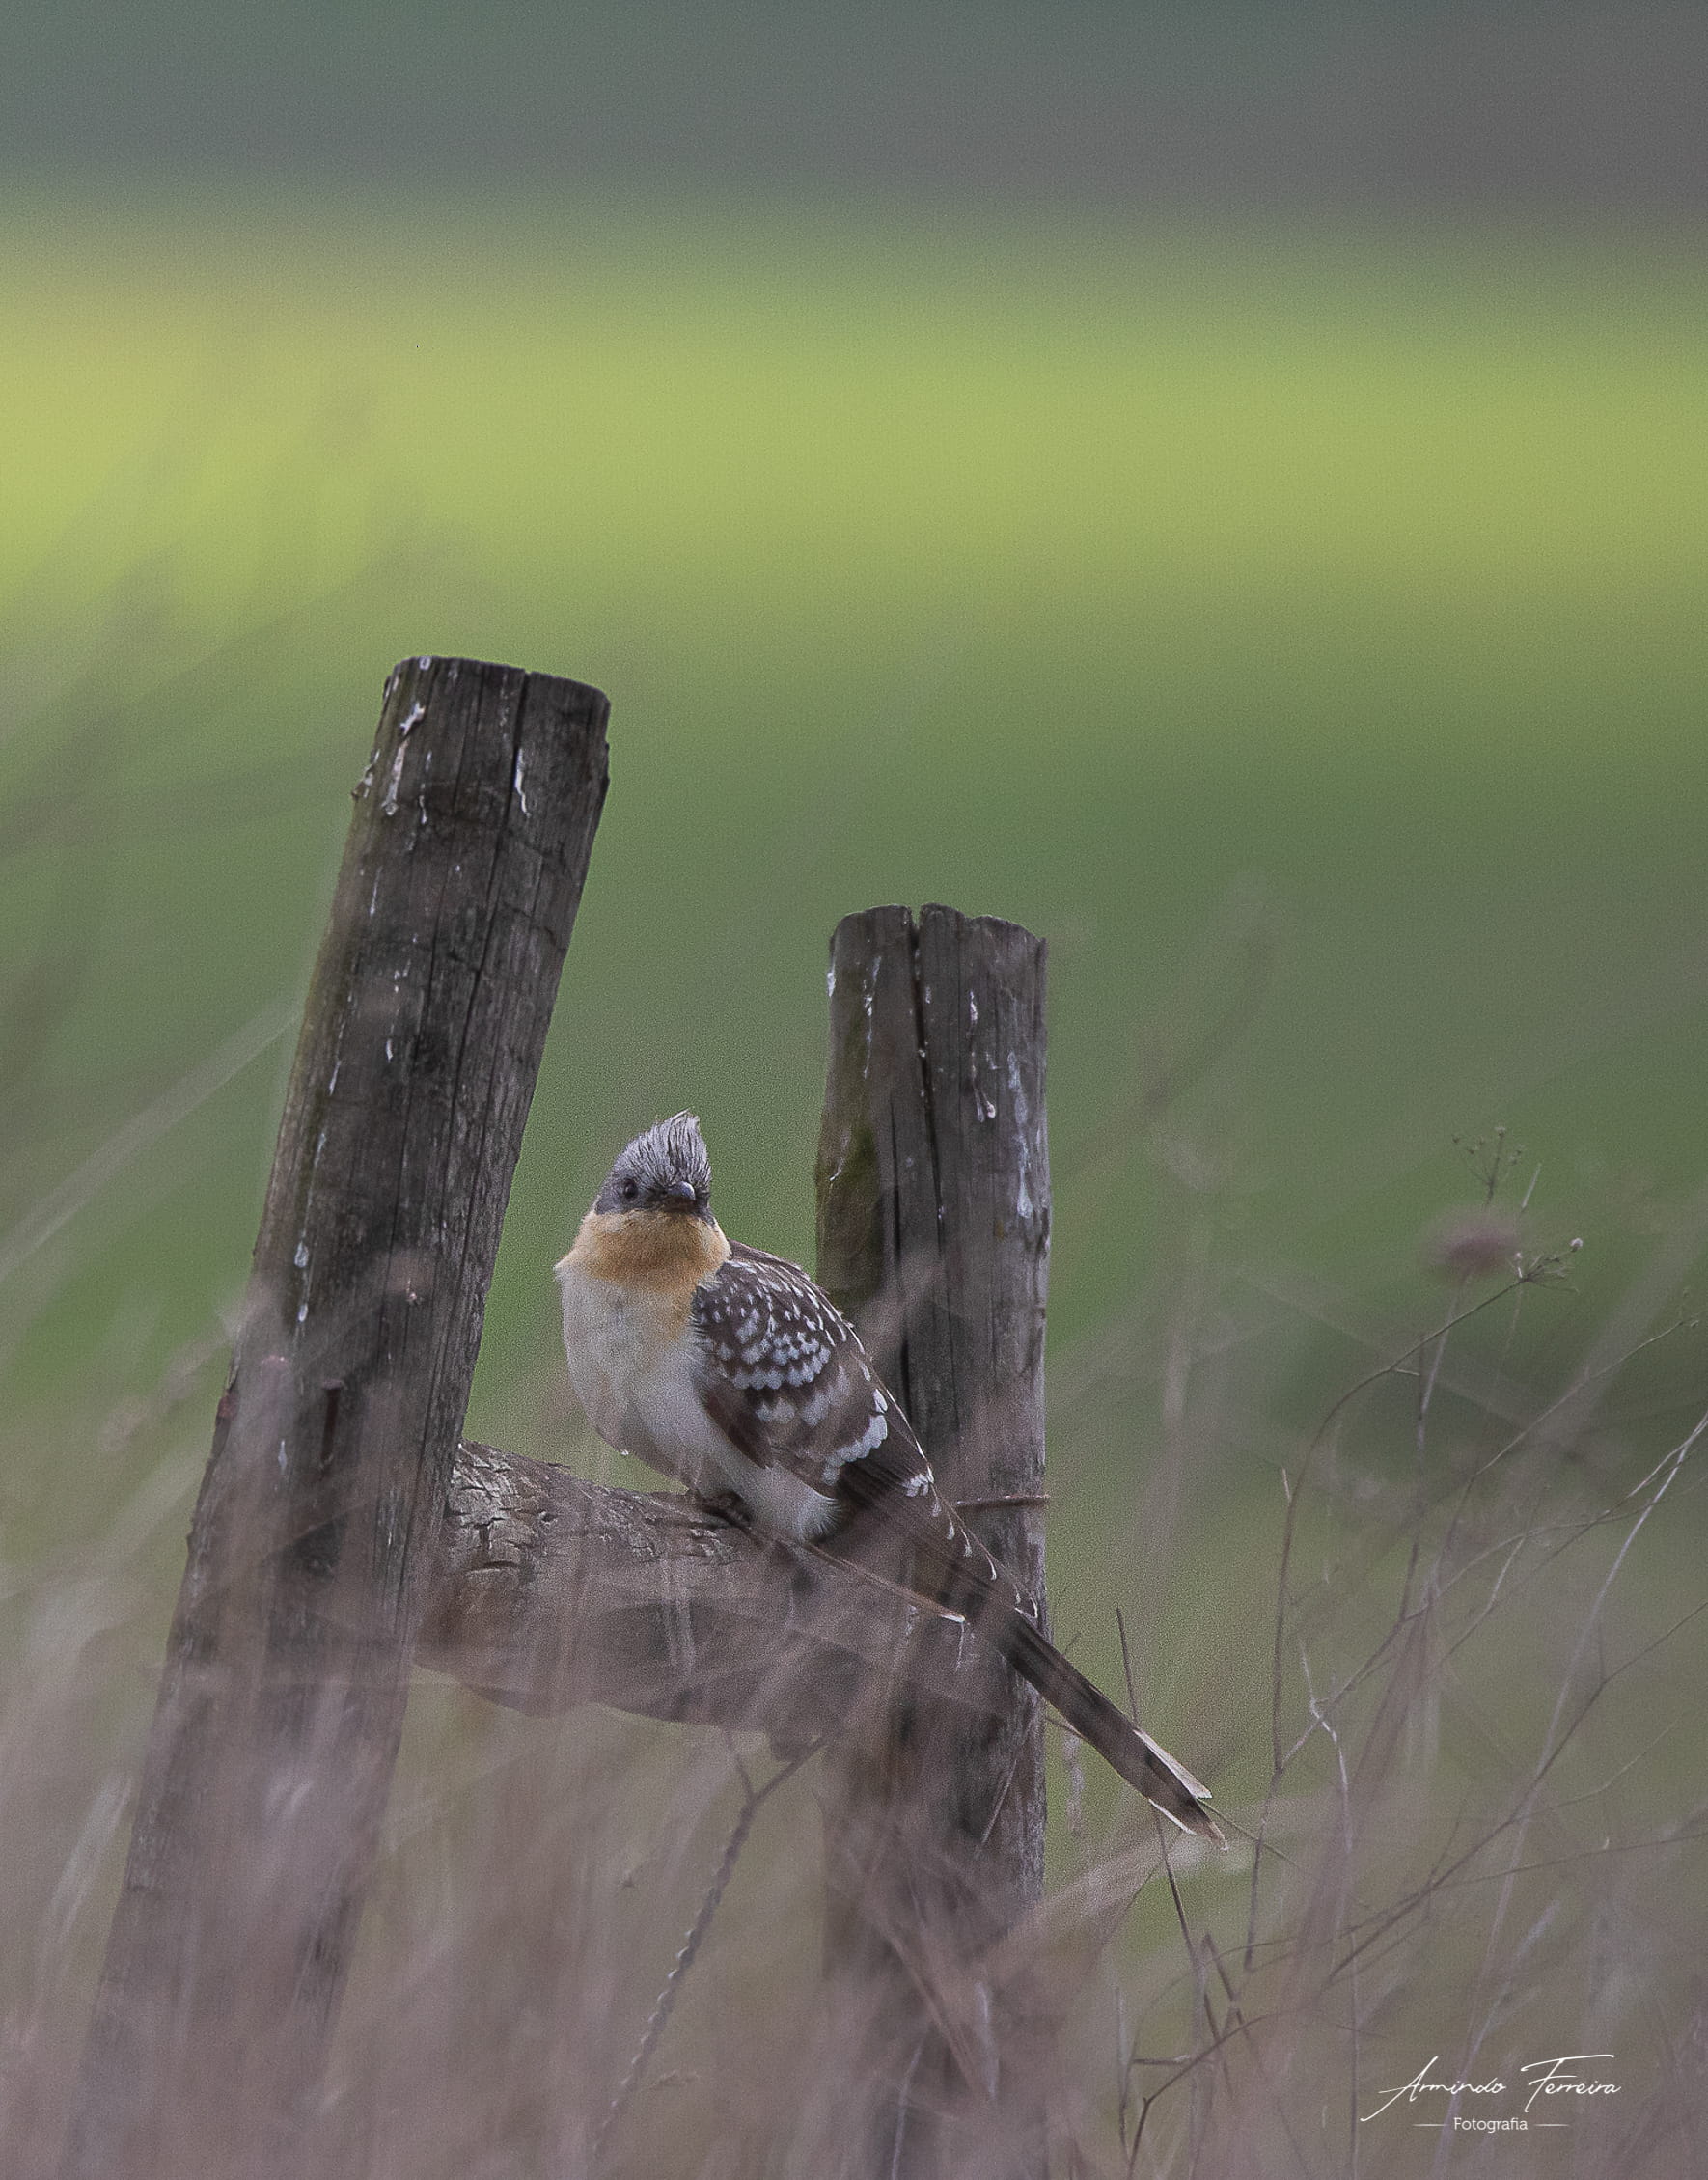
column 344, row 1533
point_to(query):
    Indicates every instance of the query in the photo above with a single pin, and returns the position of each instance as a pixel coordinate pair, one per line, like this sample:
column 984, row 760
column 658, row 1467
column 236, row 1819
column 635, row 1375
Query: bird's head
column 664, row 1169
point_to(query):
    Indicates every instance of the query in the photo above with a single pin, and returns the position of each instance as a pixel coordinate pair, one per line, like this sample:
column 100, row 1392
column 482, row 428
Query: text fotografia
column 1541, row 2084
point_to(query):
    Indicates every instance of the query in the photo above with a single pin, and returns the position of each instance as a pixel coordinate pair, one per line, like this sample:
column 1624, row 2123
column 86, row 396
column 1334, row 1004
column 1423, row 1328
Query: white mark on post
column 388, row 1048
column 302, row 1310
column 868, row 991
column 1017, row 1091
column 520, row 796
column 389, row 806
column 301, row 1259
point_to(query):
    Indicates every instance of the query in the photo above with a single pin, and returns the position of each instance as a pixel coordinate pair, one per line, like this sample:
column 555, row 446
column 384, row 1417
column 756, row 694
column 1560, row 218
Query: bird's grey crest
column 665, row 1168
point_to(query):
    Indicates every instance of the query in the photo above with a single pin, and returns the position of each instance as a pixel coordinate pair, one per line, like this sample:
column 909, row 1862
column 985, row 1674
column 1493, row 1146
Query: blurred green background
column 1228, row 489
column 1228, row 496
column 1300, row 626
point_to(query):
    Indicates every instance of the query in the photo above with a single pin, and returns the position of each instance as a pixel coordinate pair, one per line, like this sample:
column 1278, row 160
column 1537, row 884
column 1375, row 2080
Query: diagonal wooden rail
column 316, row 1533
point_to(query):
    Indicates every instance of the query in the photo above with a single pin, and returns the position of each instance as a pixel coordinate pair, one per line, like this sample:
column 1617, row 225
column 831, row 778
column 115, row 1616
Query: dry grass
column 1476, row 1839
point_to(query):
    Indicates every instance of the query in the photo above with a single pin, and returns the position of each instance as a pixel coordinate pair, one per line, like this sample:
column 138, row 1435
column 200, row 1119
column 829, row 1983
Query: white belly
column 627, row 1365
column 632, row 1371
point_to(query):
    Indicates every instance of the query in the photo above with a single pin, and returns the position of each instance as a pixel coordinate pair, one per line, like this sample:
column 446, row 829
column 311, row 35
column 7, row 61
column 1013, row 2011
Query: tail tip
column 1194, row 1819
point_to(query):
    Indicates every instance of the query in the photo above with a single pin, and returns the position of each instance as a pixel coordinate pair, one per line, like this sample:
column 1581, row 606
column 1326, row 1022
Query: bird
column 732, row 1370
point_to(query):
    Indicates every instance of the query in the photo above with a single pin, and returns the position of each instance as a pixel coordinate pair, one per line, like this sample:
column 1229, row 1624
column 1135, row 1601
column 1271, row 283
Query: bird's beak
column 682, row 1193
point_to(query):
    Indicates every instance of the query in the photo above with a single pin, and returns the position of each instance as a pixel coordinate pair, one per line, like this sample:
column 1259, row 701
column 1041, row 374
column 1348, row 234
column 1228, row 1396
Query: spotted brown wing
column 783, row 1373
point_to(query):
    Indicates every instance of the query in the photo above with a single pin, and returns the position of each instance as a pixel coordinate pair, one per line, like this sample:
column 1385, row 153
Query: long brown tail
column 952, row 1567
column 1164, row 1783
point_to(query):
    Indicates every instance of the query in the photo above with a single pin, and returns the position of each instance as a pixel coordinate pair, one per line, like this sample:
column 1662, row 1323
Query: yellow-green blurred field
column 1169, row 592
column 1303, row 629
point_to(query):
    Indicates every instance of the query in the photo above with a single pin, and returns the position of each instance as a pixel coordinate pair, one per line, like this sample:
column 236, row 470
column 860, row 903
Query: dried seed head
column 1472, row 1245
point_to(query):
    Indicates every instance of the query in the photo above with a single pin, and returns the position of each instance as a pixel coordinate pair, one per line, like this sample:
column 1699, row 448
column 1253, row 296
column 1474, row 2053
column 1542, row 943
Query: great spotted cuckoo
column 730, row 1370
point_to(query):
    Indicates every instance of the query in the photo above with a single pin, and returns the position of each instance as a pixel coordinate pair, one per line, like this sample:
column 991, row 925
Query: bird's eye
column 629, row 1191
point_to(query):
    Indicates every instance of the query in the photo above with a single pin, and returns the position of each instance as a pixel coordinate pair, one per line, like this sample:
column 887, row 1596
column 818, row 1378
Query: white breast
column 615, row 1342
column 632, row 1367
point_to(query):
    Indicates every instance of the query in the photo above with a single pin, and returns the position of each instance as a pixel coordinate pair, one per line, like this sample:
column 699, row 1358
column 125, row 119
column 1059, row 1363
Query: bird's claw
column 725, row 1507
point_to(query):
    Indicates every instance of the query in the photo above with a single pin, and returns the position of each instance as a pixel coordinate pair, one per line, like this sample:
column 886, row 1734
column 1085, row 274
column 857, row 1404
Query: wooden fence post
column 316, row 1532
column 933, row 1235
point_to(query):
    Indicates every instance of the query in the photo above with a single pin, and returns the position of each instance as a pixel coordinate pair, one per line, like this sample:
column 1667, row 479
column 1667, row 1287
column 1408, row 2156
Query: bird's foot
column 725, row 1507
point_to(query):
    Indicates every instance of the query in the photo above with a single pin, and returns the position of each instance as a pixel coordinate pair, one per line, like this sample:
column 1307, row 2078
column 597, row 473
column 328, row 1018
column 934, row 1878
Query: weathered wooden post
column 933, row 1235
column 316, row 1529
